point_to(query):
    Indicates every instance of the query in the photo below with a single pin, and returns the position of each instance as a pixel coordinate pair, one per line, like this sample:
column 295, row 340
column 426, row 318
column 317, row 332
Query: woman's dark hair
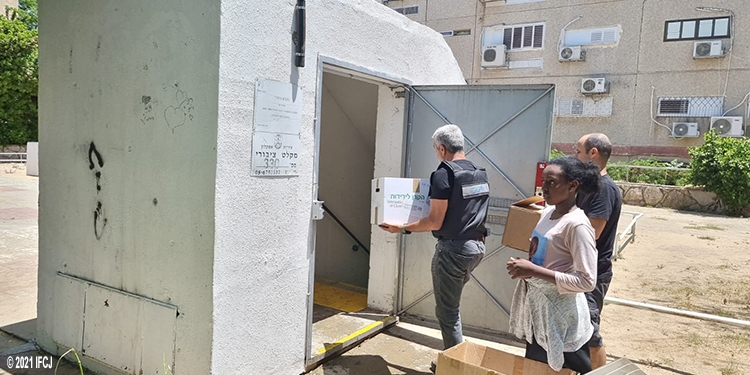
column 587, row 174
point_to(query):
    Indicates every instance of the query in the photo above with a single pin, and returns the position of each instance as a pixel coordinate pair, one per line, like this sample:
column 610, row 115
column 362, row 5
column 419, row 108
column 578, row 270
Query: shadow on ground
column 366, row 365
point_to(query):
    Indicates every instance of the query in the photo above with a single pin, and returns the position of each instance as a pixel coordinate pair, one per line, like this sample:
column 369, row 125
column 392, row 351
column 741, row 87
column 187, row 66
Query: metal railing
column 20, row 157
column 349, row 232
column 627, row 236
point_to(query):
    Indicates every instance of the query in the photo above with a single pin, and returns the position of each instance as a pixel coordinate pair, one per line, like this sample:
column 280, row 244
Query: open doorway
column 346, row 166
column 348, row 121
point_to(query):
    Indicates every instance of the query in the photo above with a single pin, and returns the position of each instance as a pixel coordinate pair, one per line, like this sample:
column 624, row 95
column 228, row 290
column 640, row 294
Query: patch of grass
column 694, row 340
column 724, row 313
column 704, row 227
column 687, row 291
column 724, row 267
column 660, row 266
column 686, row 305
column 707, row 238
column 729, row 370
column 738, row 340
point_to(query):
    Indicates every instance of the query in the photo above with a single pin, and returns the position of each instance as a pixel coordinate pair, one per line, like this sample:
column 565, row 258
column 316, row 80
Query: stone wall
column 667, row 196
column 12, row 148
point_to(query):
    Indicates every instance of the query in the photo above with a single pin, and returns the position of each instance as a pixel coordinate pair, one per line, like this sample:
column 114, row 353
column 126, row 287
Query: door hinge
column 317, row 210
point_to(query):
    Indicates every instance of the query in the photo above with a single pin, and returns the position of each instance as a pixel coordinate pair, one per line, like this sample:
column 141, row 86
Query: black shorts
column 595, row 298
column 579, row 360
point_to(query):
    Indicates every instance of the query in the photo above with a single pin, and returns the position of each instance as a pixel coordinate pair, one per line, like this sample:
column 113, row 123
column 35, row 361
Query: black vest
column 468, row 204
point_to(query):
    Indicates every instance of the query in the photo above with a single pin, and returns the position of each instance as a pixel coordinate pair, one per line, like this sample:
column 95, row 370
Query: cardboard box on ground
column 468, row 358
column 399, row 200
column 522, row 219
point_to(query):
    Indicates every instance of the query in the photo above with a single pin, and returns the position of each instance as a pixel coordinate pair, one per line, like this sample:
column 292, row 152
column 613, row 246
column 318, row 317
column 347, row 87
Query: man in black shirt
column 459, row 195
column 603, row 210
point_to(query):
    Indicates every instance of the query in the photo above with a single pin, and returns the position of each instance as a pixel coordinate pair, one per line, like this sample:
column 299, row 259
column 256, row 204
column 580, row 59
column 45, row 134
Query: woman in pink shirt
column 549, row 308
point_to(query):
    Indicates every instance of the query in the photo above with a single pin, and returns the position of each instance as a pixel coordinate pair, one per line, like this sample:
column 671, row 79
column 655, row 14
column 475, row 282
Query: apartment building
column 654, row 75
column 4, row 3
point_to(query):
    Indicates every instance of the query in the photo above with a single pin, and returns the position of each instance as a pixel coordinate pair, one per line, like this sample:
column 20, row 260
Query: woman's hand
column 521, row 268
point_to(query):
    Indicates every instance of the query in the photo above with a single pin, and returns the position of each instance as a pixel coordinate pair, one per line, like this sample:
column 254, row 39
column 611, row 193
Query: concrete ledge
column 348, row 342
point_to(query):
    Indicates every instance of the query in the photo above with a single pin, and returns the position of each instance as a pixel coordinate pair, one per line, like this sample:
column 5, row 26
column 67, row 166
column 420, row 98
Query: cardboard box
column 468, row 358
column 522, row 219
column 622, row 366
column 399, row 200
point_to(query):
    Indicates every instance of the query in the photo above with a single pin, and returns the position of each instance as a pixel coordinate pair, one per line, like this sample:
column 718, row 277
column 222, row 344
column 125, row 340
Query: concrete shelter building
column 179, row 166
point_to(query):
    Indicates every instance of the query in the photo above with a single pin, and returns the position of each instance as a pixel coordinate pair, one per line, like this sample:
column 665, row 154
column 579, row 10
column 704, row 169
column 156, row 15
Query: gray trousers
column 451, row 270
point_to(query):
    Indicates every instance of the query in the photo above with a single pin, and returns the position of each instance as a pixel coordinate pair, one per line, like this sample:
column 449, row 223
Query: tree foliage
column 19, row 53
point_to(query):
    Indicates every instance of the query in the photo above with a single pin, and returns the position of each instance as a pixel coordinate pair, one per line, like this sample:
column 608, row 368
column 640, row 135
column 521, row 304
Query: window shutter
column 673, row 30
column 517, row 35
column 538, row 36
column 528, row 36
column 507, row 37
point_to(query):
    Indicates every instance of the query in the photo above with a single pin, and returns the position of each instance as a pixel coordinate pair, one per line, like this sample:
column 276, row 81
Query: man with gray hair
column 603, row 210
column 459, row 195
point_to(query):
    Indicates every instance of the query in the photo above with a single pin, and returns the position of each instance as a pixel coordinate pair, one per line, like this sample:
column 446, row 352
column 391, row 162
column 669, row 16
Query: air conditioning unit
column 493, row 56
column 685, row 130
column 708, row 49
column 572, row 53
column 594, row 86
column 727, row 126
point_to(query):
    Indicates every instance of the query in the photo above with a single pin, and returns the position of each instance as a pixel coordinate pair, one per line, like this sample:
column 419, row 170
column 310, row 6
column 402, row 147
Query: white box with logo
column 399, row 200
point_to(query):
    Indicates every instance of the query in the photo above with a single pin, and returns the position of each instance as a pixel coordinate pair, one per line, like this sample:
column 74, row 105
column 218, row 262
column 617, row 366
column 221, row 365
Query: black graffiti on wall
column 94, row 152
column 99, row 220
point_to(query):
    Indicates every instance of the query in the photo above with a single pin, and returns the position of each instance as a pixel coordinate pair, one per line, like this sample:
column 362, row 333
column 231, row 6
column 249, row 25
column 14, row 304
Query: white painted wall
column 116, row 74
column 32, row 158
column 263, row 225
column 165, row 91
column 347, row 158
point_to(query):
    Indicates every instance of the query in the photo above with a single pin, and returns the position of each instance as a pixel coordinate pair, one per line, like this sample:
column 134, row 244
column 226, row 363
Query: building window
column 691, row 106
column 699, row 28
column 407, row 10
column 607, row 35
column 516, row 37
column 456, row 32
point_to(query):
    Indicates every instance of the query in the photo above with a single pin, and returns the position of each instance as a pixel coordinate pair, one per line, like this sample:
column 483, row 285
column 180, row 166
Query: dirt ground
column 687, row 261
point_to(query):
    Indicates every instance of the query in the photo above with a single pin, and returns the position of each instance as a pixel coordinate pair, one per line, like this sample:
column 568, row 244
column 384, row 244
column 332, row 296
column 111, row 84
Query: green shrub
column 722, row 166
column 18, row 76
column 619, row 172
column 555, row 153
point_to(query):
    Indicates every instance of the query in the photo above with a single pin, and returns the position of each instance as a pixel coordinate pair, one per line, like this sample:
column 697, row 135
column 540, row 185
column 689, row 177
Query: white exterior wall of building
column 165, row 93
column 261, row 256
